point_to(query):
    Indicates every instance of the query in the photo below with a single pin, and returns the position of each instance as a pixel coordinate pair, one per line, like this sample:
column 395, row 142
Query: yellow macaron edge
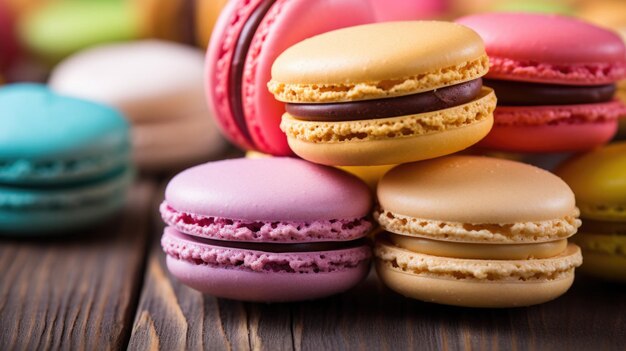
column 397, row 86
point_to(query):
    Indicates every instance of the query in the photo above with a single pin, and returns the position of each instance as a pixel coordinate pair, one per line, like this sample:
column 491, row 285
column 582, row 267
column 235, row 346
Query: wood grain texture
column 172, row 317
column 78, row 292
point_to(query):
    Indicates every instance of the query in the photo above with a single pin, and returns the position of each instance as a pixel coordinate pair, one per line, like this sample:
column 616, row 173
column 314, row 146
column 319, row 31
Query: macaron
column 355, row 97
column 64, row 162
column 268, row 229
column 186, row 21
column 476, row 232
column 598, row 179
column 248, row 37
column 555, row 81
column 57, row 29
column 158, row 86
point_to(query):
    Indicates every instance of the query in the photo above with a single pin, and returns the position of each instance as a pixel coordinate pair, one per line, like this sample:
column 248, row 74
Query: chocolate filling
column 512, row 93
column 237, row 64
column 282, row 248
column 438, row 99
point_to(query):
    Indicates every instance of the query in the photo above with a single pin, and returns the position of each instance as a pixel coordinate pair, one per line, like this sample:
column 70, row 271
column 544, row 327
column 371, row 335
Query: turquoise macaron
column 65, row 163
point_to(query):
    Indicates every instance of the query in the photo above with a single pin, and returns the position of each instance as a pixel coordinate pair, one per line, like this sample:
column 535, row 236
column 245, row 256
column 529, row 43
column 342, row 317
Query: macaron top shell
column 534, row 39
column 40, row 126
column 598, row 179
column 270, row 189
column 546, row 38
column 380, row 53
column 147, row 80
column 475, row 190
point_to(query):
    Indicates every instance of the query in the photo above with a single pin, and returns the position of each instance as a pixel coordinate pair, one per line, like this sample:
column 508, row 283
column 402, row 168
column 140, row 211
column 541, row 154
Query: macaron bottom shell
column 604, row 255
column 485, row 283
column 265, row 287
column 470, row 293
column 550, row 138
column 247, row 273
column 56, row 211
column 396, row 149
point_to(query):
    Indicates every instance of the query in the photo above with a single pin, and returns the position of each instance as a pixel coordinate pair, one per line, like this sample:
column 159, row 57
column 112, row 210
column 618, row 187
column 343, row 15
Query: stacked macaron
column 384, row 93
column 476, row 231
column 269, row 229
column 158, row 86
column 64, row 162
column 555, row 81
column 599, row 182
column 248, row 37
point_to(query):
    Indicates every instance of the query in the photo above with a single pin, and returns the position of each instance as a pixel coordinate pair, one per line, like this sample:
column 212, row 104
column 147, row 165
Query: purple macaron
column 272, row 229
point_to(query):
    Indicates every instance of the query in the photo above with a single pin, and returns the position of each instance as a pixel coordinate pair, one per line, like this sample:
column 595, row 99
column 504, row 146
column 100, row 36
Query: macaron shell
column 147, row 80
column 175, row 144
column 376, row 52
column 550, row 138
column 392, row 140
column 287, row 23
column 265, row 287
column 218, row 228
column 49, row 138
column 473, row 282
column 472, row 189
column 392, row 150
column 218, row 65
column 569, row 114
column 247, row 189
column 598, row 179
column 472, row 294
column 59, row 210
column 531, row 40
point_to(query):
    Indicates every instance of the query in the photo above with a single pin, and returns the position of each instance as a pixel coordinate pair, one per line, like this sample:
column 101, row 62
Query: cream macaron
column 477, row 232
column 159, row 87
column 384, row 93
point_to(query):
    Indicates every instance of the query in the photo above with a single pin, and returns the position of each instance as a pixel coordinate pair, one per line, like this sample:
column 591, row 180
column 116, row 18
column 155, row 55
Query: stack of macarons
column 384, row 93
column 555, row 81
column 158, row 86
column 459, row 230
column 268, row 229
column 248, row 37
column 477, row 232
column 599, row 182
column 64, row 162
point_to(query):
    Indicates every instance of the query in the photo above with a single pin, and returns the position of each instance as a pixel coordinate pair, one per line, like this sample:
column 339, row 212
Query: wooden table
column 109, row 289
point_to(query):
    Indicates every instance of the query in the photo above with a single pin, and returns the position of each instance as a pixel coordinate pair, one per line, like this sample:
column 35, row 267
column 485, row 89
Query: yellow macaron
column 598, row 179
column 477, row 232
column 384, row 93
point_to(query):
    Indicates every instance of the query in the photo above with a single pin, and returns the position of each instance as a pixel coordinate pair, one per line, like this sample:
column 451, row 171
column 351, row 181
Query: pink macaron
column 248, row 37
column 554, row 77
column 271, row 229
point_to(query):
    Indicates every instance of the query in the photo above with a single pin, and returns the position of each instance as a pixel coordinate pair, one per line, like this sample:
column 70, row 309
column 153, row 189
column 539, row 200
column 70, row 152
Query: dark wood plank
column 77, row 292
column 171, row 316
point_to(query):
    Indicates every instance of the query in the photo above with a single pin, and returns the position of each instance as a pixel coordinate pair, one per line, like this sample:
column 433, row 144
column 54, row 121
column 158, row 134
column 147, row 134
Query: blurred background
column 37, row 34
